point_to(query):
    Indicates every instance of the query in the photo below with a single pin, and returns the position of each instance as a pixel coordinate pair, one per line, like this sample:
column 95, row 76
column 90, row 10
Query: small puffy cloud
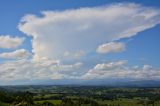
column 112, row 47
column 8, row 42
column 110, row 65
column 119, row 70
column 56, row 32
column 147, row 67
column 17, row 54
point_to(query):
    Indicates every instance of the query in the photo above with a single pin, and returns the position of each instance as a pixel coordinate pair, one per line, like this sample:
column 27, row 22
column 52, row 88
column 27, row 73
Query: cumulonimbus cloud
column 84, row 29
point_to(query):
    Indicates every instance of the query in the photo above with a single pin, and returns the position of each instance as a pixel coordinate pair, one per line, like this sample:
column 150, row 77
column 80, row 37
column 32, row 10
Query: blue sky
column 79, row 40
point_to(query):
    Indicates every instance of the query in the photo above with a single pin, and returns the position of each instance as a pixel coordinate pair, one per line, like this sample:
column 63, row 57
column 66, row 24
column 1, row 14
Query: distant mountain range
column 109, row 83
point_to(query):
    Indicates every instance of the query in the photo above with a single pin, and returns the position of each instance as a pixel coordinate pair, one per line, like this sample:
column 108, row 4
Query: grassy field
column 79, row 96
column 126, row 102
column 4, row 104
column 55, row 102
column 121, row 102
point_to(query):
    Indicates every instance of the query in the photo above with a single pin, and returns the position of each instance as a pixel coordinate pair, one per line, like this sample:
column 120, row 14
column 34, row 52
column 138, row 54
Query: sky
column 73, row 41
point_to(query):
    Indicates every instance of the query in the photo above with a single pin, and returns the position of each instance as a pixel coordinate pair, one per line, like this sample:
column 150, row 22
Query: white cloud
column 72, row 34
column 30, row 70
column 119, row 70
column 85, row 29
column 111, row 47
column 8, row 42
column 17, row 54
column 49, row 70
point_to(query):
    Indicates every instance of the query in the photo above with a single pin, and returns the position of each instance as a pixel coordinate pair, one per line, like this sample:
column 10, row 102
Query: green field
column 78, row 96
column 4, row 104
column 127, row 102
column 55, row 102
column 121, row 102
